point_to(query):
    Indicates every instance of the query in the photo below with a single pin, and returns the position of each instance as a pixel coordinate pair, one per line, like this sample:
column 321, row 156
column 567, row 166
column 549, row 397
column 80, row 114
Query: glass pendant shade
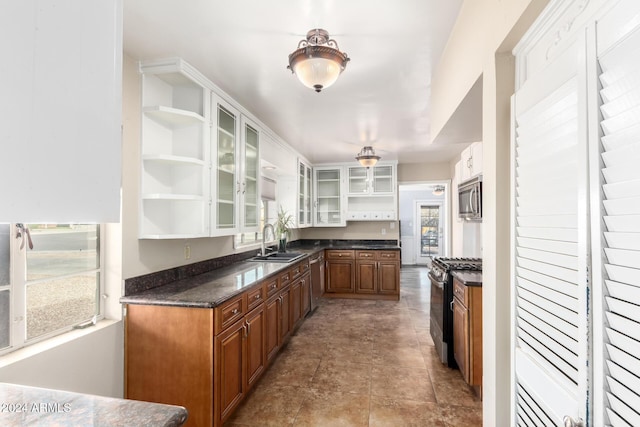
column 317, row 73
column 317, row 62
column 367, row 157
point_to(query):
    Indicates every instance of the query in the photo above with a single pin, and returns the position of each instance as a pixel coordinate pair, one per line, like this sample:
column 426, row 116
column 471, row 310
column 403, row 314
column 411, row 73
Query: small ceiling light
column 438, row 190
column 317, row 62
column 367, row 156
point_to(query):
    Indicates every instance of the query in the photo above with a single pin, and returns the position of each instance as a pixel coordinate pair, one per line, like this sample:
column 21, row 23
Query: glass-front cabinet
column 329, row 204
column 250, row 192
column 374, row 180
column 305, row 179
column 225, row 186
column 371, row 193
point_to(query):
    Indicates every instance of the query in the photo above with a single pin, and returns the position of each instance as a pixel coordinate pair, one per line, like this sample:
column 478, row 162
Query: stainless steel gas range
column 441, row 322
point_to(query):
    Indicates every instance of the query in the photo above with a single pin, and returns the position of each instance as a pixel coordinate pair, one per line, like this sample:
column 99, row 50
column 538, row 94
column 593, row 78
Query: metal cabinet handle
column 451, row 305
column 248, row 328
column 257, row 296
column 235, row 311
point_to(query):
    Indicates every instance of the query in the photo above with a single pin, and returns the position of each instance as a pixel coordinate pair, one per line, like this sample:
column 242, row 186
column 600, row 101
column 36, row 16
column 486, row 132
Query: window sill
column 51, row 343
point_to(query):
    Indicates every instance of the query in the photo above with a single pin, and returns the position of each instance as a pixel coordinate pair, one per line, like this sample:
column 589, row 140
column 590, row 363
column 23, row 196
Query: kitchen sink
column 278, row 257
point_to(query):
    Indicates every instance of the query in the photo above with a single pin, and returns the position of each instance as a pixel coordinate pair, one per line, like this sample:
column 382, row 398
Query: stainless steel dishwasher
column 317, row 278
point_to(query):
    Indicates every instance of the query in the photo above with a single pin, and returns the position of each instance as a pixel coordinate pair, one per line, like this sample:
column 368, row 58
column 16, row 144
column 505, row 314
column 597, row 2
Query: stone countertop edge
column 209, row 290
column 26, row 405
column 469, row 278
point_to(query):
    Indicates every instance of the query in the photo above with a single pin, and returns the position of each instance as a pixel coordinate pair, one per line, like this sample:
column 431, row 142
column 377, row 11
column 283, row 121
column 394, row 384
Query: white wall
column 483, row 36
column 88, row 361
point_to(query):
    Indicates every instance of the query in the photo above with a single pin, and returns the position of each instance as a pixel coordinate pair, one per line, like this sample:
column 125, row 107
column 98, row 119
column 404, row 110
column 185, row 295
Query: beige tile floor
column 363, row 363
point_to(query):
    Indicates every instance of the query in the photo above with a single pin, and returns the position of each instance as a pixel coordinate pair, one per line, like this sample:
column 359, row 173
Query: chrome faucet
column 264, row 229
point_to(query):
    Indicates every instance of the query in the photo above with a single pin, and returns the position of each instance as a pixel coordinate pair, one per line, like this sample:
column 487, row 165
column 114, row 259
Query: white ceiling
column 381, row 99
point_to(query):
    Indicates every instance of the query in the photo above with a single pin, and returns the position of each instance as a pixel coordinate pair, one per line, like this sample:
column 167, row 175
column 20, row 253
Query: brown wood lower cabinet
column 340, row 272
column 378, row 273
column 208, row 359
column 467, row 332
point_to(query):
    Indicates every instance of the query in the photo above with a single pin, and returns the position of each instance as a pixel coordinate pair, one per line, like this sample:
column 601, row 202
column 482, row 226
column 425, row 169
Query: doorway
column 428, row 220
column 423, row 214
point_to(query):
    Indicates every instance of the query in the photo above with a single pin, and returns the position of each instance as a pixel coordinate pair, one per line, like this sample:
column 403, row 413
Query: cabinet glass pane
column 357, row 180
column 382, row 179
column 5, row 316
column 226, row 165
column 301, row 195
column 4, row 254
column 308, row 195
column 226, row 215
column 251, row 175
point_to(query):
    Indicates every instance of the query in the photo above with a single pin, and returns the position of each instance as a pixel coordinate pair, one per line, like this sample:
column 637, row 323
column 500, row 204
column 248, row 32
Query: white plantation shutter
column 620, row 97
column 550, row 312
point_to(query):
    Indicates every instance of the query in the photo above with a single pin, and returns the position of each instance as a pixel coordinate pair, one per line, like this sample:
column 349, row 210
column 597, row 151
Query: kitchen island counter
column 23, row 405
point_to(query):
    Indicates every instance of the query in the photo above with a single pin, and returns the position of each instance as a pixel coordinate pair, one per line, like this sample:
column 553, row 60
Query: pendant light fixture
column 438, row 190
column 317, row 62
column 367, row 156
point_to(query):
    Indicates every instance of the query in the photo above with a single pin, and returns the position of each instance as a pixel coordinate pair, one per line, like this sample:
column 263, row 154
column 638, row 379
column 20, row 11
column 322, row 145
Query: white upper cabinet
column 372, row 192
column 329, row 196
column 61, row 109
column 471, row 161
column 225, row 173
column 200, row 157
column 305, row 179
column 250, row 176
column 379, row 179
column 175, row 172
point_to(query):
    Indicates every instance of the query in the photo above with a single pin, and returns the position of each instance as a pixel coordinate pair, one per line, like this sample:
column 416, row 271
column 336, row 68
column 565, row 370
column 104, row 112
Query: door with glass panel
column 250, row 192
column 430, row 222
column 328, row 197
column 226, row 185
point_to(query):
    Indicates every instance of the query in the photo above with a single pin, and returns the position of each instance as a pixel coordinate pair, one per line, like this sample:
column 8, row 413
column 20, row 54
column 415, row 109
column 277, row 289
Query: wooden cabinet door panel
column 255, row 341
column 285, row 317
column 296, row 292
column 366, row 277
column 272, row 333
column 340, row 276
column 305, row 296
column 230, row 369
column 461, row 337
column 388, row 277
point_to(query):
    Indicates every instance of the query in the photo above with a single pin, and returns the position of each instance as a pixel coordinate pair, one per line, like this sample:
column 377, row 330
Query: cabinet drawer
column 388, row 255
column 272, row 287
column 230, row 312
column 460, row 291
column 365, row 255
column 299, row 269
column 337, row 254
column 285, row 279
column 255, row 297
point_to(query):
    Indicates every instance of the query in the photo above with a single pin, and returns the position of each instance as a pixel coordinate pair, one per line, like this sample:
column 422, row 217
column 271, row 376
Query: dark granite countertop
column 32, row 406
column 469, row 278
column 210, row 289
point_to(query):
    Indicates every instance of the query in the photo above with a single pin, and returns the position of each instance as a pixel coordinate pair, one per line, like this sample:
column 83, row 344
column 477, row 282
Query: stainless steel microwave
column 470, row 199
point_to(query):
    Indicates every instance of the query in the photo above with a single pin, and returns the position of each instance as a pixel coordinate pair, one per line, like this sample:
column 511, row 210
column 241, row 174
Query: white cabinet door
column 550, row 291
column 305, row 178
column 250, row 177
column 471, row 161
column 328, row 205
column 225, row 176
